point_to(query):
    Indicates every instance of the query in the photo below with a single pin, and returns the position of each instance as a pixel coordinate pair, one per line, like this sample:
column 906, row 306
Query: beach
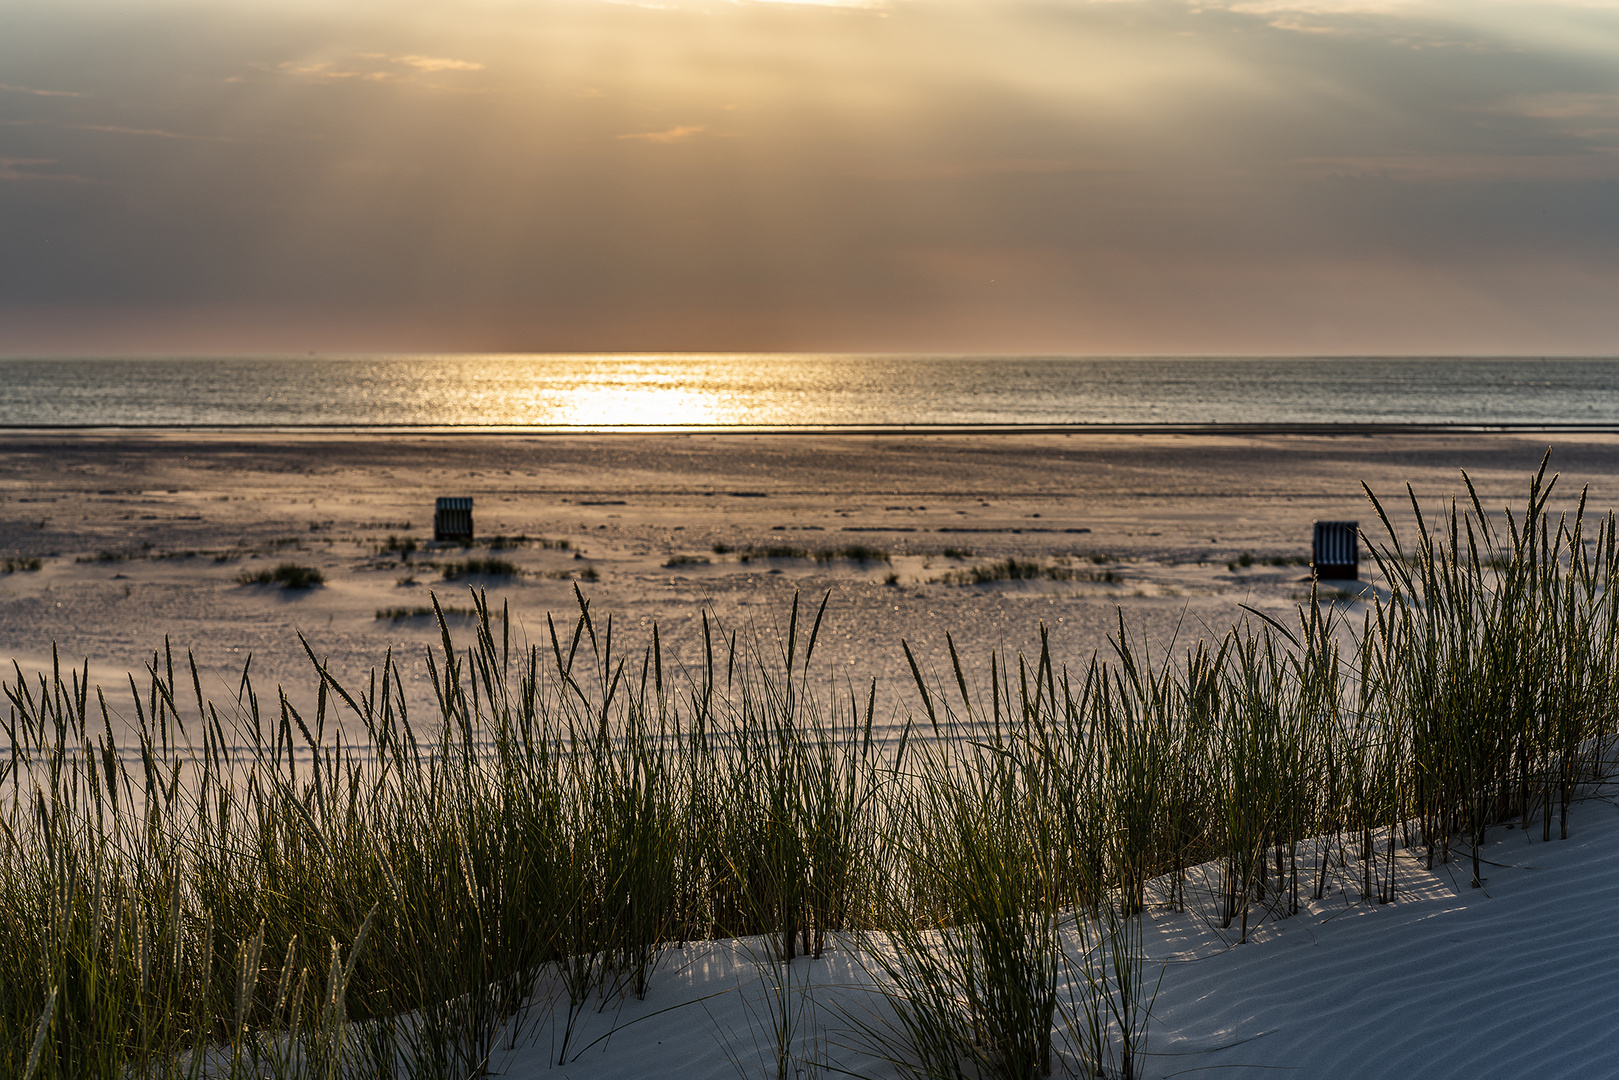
column 143, row 538
column 117, row 544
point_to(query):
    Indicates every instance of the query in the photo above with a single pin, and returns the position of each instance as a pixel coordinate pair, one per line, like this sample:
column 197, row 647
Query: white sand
column 1515, row 979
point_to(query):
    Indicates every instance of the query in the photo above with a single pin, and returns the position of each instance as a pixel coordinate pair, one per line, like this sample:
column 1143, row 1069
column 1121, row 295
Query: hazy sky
column 1261, row 176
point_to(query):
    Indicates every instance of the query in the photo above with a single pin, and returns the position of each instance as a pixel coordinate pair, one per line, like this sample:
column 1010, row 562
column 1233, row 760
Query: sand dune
column 1514, row 979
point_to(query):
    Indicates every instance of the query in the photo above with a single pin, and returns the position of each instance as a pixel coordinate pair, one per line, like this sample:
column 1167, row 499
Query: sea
column 762, row 390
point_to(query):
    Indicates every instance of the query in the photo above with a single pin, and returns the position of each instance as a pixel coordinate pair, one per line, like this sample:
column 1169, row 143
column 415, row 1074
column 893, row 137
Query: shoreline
column 1347, row 429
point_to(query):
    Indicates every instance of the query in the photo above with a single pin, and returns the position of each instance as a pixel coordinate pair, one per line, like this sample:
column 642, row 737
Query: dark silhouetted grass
column 484, row 567
column 287, row 575
column 1014, row 569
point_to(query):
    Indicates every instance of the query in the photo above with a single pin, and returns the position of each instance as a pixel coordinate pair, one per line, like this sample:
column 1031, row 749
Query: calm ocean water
column 775, row 390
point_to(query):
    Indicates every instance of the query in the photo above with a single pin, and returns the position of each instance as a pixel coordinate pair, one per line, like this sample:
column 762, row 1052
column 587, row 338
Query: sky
column 1039, row 176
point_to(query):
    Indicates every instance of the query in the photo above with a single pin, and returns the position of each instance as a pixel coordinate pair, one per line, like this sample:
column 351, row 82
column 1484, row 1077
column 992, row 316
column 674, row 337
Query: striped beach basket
column 1335, row 554
column 452, row 518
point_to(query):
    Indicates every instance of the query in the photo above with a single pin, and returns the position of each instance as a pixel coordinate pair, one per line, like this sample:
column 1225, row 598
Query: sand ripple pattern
column 1517, row 979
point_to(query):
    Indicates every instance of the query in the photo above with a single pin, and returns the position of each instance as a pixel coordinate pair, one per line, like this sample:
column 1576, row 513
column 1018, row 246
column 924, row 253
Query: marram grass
column 238, row 889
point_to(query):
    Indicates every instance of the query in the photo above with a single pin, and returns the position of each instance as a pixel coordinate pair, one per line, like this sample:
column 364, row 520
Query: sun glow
column 636, row 406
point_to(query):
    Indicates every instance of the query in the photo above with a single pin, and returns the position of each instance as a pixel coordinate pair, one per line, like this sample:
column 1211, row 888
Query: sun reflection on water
column 654, row 403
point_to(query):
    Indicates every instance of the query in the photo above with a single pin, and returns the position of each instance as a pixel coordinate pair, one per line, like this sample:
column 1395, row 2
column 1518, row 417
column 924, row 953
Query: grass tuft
column 1014, row 569
column 395, row 614
column 287, row 575
column 1247, row 558
column 485, row 567
column 505, row 543
column 856, row 552
column 773, row 551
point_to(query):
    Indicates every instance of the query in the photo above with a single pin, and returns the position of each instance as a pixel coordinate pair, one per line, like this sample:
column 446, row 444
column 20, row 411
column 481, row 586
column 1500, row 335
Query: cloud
column 436, row 63
column 829, row 3
column 117, row 130
column 21, row 169
column 918, row 169
column 1444, row 169
column 1326, row 7
column 323, row 71
column 1561, row 106
column 40, row 93
column 327, row 71
column 674, row 134
column 114, row 129
column 1095, row 154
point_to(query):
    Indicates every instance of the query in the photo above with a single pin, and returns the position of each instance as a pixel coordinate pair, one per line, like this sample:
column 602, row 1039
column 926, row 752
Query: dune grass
column 450, row 571
column 394, row 614
column 1015, row 569
column 287, row 575
column 241, row 889
column 861, row 553
column 505, row 543
column 403, row 546
column 1247, row 558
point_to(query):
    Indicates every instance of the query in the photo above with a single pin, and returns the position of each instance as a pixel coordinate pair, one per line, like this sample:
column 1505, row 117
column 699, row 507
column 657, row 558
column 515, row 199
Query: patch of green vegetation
column 485, row 567
column 403, row 546
column 287, row 575
column 856, row 552
column 684, row 560
column 395, row 614
column 773, row 551
column 13, row 565
column 1248, row 558
column 505, row 543
column 1014, row 569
